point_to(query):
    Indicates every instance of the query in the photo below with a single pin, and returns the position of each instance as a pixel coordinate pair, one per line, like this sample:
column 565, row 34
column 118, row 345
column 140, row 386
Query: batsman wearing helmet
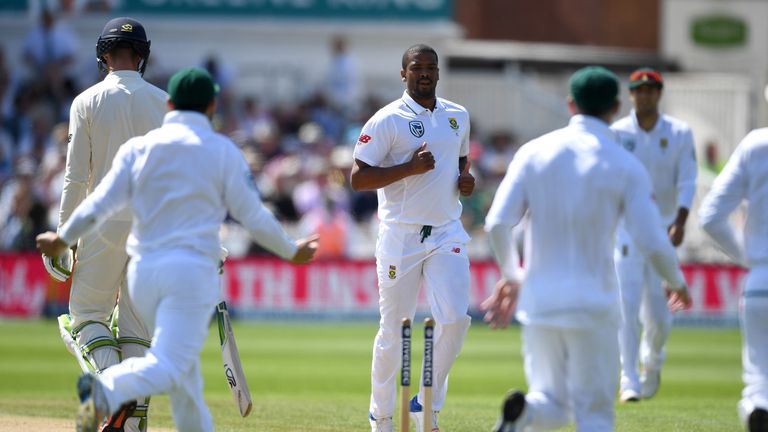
column 102, row 118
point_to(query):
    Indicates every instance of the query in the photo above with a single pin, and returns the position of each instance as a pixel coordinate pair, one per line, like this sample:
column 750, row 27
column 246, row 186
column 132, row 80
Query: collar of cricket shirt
column 656, row 127
column 193, row 119
column 592, row 124
column 416, row 108
column 123, row 74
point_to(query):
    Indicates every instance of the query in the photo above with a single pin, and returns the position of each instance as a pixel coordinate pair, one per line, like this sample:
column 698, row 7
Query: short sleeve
column 375, row 140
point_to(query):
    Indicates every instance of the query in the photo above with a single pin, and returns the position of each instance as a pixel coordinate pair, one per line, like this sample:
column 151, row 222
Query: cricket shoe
column 116, row 423
column 758, row 420
column 512, row 413
column 383, row 424
column 649, row 383
column 629, row 395
column 417, row 416
column 93, row 409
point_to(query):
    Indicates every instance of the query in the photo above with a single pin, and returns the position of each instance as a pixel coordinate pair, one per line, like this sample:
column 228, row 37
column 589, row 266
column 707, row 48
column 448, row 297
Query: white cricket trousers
column 754, row 330
column 644, row 312
column 99, row 275
column 175, row 293
column 571, row 374
column 403, row 264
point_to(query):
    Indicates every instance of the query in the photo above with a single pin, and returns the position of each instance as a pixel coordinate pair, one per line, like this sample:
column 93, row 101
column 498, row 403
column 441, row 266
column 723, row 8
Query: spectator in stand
column 22, row 213
column 49, row 51
column 343, row 82
column 36, row 141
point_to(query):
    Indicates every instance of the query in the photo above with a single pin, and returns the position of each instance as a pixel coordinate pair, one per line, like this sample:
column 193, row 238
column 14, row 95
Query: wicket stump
column 426, row 376
column 405, row 376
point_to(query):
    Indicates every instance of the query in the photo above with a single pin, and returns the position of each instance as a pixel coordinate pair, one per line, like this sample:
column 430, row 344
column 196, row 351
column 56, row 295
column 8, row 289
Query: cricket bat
column 233, row 370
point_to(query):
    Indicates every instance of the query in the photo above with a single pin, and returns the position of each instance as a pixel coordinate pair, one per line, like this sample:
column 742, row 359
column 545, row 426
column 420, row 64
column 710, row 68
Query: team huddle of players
column 605, row 204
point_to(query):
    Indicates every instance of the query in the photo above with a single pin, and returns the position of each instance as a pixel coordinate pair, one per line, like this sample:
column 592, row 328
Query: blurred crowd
column 299, row 152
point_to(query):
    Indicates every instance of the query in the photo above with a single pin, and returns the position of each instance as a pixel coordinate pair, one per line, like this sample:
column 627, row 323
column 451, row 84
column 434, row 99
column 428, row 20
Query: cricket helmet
column 119, row 31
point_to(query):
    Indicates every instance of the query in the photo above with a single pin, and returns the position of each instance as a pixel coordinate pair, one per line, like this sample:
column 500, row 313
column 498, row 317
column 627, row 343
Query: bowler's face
column 645, row 98
column 421, row 75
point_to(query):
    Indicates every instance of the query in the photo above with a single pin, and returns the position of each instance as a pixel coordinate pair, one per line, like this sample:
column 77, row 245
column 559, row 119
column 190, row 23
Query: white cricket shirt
column 180, row 180
column 391, row 137
column 667, row 152
column 745, row 177
column 101, row 119
column 576, row 182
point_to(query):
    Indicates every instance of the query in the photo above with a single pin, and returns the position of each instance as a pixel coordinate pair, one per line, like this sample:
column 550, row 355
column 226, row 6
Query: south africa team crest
column 629, row 145
column 454, row 124
column 417, row 128
column 392, row 272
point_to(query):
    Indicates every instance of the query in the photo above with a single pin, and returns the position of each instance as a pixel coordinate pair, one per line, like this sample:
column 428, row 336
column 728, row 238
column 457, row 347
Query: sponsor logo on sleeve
column 417, row 128
column 364, row 139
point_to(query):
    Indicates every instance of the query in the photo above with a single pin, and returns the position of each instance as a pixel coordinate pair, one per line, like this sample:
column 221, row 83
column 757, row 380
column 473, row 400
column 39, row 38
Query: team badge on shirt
column 454, row 124
column 392, row 272
column 663, row 143
column 629, row 145
column 417, row 128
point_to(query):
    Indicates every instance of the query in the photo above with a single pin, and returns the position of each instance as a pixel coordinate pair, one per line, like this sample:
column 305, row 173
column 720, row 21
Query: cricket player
column 180, row 181
column 102, row 118
column 664, row 145
column 745, row 177
column 414, row 152
column 575, row 183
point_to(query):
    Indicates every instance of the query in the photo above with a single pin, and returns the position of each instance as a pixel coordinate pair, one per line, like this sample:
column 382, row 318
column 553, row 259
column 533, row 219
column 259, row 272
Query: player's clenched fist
column 466, row 180
column 422, row 160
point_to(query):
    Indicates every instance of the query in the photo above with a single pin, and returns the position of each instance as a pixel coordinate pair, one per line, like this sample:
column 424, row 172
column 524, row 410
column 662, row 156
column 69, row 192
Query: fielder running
column 414, row 152
column 745, row 177
column 180, row 181
column 102, row 118
column 575, row 183
column 664, row 145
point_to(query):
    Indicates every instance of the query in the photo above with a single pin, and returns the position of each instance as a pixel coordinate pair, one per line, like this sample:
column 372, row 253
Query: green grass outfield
column 311, row 376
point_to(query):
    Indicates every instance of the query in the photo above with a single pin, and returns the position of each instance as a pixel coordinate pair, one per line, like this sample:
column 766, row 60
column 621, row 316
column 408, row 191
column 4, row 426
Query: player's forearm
column 667, row 266
column 372, row 178
column 725, row 237
column 268, row 232
column 71, row 196
column 504, row 251
column 82, row 221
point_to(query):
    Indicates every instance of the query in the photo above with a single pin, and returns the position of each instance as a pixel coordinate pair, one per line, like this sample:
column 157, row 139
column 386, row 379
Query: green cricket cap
column 595, row 89
column 191, row 88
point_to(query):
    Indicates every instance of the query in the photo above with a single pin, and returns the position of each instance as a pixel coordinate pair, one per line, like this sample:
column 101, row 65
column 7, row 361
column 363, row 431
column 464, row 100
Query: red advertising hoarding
column 333, row 288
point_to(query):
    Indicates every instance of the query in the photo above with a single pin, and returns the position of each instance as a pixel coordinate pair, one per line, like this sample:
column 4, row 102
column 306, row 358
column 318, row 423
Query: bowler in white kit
column 414, row 152
column 745, row 178
column 575, row 183
column 179, row 181
column 664, row 146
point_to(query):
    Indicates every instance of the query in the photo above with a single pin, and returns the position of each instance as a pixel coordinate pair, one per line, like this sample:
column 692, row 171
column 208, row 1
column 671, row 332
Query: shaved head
column 416, row 49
